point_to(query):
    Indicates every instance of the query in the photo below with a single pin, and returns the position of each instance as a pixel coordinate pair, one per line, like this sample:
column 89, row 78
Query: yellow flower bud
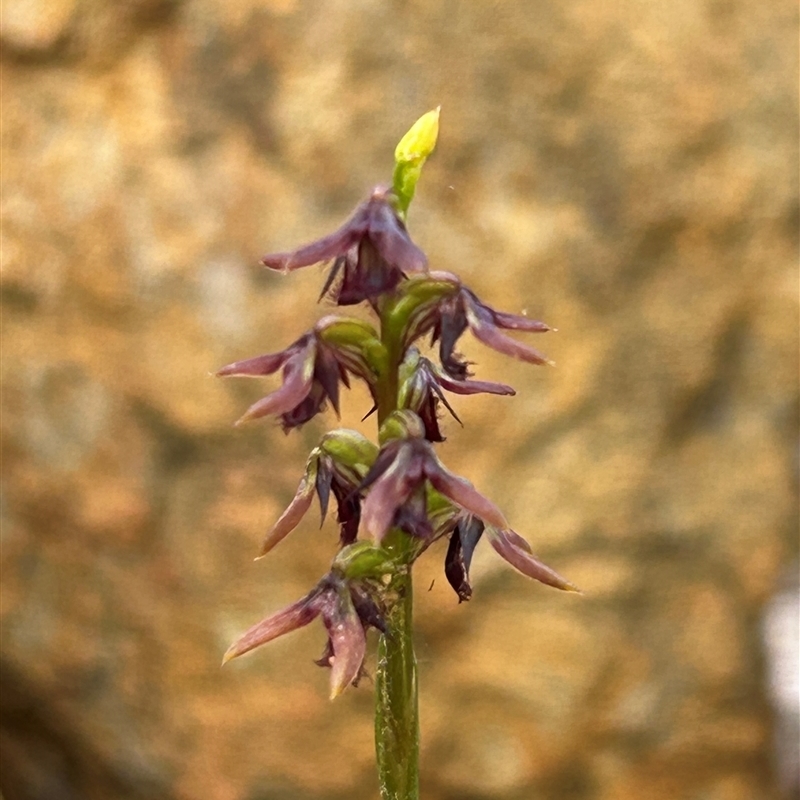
column 420, row 140
column 409, row 156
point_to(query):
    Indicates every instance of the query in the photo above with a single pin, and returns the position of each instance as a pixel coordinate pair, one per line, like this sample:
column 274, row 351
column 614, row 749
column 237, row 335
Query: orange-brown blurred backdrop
column 625, row 171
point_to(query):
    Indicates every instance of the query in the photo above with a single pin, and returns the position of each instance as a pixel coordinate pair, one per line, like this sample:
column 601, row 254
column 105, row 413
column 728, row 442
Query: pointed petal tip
column 275, row 261
column 268, row 545
column 230, row 654
column 517, row 552
column 336, row 690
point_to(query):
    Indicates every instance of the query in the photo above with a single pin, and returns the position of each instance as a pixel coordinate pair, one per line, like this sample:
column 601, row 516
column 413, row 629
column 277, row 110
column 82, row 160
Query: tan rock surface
column 625, row 171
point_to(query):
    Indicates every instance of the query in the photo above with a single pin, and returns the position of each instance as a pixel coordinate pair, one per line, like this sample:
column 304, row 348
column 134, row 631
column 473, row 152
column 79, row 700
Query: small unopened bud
column 420, row 140
column 409, row 156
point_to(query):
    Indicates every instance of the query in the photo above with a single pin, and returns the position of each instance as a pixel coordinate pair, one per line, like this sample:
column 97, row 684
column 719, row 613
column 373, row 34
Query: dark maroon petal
column 516, row 551
column 459, row 555
column 329, row 247
column 452, row 323
column 412, row 516
column 308, row 408
column 428, row 413
column 349, row 511
column 455, row 570
column 373, row 275
column 367, row 609
column 328, row 372
column 469, row 531
column 289, row 619
column 255, row 367
column 290, row 518
column 323, row 485
column 463, row 493
column 338, row 264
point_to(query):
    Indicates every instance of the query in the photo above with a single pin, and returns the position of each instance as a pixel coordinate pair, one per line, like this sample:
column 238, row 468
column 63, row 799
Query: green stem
column 396, row 706
column 396, row 712
column 388, row 385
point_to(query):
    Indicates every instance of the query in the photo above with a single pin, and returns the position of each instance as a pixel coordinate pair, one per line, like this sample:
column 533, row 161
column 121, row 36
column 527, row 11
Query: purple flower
column 346, row 609
column 338, row 465
column 450, row 312
column 510, row 546
column 372, row 251
column 397, row 496
column 313, row 368
column 421, row 391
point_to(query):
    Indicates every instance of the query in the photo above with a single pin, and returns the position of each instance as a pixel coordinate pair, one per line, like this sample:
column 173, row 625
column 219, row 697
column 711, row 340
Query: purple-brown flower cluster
column 399, row 488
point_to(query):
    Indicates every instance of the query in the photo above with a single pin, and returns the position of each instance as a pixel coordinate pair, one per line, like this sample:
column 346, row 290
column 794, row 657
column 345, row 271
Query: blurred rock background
column 626, row 171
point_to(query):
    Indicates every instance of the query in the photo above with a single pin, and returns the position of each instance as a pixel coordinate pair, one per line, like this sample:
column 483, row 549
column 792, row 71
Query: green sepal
column 350, row 448
column 404, row 424
column 407, row 307
column 405, row 376
column 363, row 560
column 410, row 155
column 358, row 339
column 346, row 331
